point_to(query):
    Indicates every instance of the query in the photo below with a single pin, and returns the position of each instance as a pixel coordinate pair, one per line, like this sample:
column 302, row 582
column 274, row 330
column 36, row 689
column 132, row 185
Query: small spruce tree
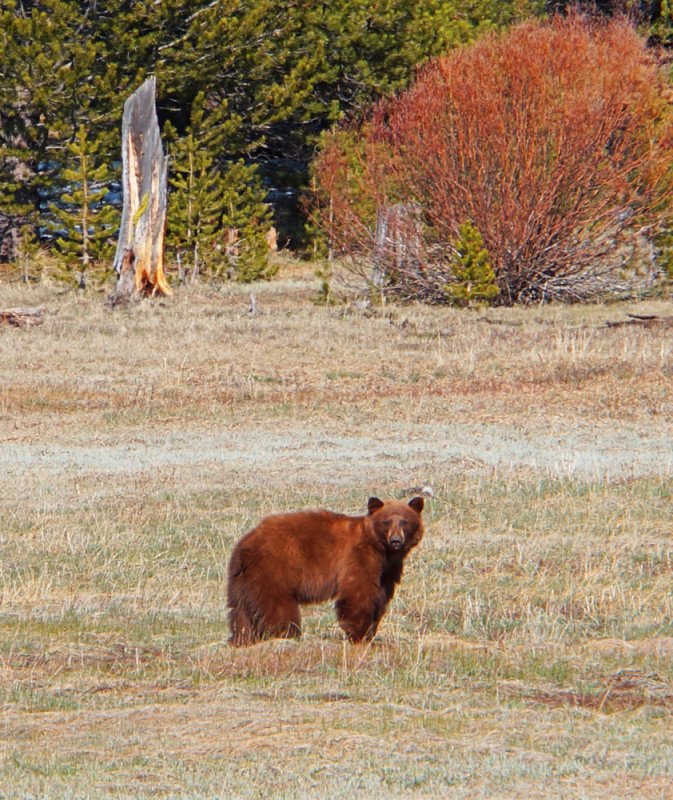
column 27, row 253
column 217, row 218
column 86, row 220
column 474, row 279
column 195, row 209
column 248, row 215
column 17, row 212
column 325, row 273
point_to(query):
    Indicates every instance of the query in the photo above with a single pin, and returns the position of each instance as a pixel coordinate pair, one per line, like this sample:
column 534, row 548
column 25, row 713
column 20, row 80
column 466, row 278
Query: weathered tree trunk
column 397, row 240
column 139, row 260
column 398, row 233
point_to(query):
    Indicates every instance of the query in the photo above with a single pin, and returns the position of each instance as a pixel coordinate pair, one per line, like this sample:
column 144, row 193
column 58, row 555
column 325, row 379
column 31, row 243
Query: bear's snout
column 396, row 540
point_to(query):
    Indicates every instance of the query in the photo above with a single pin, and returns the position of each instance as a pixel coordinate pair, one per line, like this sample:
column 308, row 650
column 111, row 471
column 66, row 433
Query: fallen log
column 23, row 317
column 644, row 320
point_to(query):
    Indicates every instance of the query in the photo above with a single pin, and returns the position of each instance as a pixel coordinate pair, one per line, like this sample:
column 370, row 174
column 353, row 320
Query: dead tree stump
column 397, row 240
column 139, row 260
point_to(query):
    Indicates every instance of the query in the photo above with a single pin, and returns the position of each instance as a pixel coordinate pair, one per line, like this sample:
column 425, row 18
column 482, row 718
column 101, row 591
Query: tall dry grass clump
column 554, row 139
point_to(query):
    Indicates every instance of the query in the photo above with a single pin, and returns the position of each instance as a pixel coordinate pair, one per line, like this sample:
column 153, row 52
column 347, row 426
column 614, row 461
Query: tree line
column 245, row 90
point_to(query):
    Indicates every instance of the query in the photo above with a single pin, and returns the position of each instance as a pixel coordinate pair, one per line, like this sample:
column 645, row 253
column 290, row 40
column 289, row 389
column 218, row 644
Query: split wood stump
column 139, row 260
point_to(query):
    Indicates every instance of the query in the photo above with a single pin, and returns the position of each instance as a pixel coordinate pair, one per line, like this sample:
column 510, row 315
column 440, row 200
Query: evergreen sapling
column 87, row 223
column 474, row 279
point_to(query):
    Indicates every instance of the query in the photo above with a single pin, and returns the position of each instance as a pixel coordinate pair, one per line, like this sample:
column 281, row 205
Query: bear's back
column 305, row 529
column 302, row 553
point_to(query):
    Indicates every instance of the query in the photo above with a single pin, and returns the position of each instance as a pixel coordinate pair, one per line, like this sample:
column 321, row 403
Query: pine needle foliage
column 246, row 213
column 217, row 217
column 474, row 282
column 196, row 197
column 27, row 252
column 54, row 78
column 87, row 223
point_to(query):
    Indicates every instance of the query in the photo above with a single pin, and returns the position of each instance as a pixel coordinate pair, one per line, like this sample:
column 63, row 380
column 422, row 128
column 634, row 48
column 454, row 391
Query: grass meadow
column 528, row 652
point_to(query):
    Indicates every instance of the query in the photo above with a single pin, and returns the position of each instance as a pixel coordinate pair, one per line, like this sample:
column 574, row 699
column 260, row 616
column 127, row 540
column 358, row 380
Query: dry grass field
column 529, row 650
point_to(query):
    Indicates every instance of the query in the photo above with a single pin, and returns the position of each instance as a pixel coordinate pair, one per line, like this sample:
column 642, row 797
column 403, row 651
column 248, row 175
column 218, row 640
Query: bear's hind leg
column 243, row 626
column 243, row 609
column 282, row 619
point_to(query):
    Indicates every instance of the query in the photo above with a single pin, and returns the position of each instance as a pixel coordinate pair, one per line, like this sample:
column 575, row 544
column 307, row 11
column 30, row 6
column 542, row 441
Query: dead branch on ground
column 645, row 321
column 23, row 317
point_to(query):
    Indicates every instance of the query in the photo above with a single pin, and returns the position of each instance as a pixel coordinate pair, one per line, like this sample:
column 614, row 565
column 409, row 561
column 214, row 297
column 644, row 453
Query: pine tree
column 474, row 279
column 53, row 78
column 89, row 222
column 196, row 201
column 246, row 213
column 27, row 253
column 18, row 217
column 217, row 218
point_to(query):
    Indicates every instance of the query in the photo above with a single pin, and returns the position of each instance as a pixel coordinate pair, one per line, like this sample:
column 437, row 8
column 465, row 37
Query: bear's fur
column 313, row 556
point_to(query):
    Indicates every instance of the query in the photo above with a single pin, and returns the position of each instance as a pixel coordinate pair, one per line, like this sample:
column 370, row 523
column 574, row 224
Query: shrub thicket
column 554, row 139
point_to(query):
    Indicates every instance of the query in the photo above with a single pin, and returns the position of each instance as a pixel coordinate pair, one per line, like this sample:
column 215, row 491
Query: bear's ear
column 374, row 504
column 417, row 504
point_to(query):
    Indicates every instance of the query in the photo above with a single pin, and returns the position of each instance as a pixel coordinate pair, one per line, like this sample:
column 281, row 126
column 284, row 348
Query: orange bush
column 554, row 139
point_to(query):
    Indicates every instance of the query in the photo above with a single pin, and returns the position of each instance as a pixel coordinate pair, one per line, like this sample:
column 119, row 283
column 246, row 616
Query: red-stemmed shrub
column 553, row 139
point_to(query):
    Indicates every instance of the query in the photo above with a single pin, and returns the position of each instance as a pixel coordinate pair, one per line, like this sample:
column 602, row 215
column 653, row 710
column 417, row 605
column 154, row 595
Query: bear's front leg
column 359, row 613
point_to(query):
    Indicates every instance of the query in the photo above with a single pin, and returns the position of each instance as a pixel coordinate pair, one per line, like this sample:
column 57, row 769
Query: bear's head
column 397, row 524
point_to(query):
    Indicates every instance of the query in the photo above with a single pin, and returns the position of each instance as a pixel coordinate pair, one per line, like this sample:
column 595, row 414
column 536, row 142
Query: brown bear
column 313, row 556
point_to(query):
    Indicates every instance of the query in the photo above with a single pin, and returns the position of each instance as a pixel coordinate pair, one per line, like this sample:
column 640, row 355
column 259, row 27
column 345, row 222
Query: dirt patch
column 624, row 692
